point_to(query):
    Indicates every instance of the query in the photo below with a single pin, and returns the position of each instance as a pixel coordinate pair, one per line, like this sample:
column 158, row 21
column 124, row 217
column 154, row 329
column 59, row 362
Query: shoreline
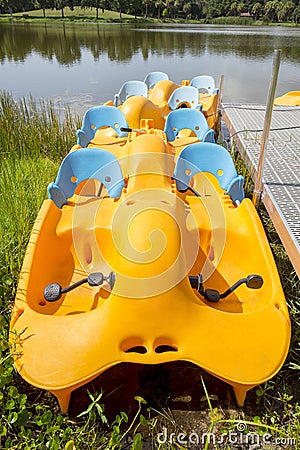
column 231, row 20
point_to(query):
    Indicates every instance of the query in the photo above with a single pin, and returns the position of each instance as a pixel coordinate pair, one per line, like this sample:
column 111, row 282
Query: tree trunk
column 62, row 13
column 44, row 12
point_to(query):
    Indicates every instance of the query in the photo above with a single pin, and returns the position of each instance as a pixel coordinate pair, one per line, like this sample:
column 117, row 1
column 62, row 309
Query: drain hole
column 165, row 348
column 137, row 349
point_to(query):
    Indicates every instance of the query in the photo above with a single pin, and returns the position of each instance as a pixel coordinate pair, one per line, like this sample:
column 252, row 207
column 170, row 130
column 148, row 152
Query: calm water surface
column 85, row 64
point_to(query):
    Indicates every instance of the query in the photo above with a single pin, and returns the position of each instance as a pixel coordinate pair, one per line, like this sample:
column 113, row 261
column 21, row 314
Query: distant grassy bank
column 76, row 15
column 79, row 14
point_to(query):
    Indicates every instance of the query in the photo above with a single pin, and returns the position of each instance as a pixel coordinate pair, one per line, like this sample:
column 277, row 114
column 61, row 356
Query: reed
column 30, row 128
column 33, row 140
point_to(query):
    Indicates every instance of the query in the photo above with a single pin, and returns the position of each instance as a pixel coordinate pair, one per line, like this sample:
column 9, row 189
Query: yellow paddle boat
column 157, row 96
column 146, row 251
column 289, row 99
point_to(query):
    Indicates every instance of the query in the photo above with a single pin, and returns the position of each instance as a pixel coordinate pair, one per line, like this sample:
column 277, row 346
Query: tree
column 159, row 4
column 198, row 8
column 271, row 9
column 45, row 4
column 296, row 14
column 240, row 7
column 121, row 6
column 187, row 9
column 233, row 8
column 99, row 4
column 147, row 3
column 256, row 10
column 170, row 7
column 285, row 10
column 6, row 6
column 12, row 6
column 60, row 4
column 275, row 10
column 135, row 8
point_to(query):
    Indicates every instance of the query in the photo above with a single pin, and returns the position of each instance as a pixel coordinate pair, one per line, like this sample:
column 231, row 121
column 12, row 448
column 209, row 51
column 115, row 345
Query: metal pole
column 258, row 188
column 220, row 92
column 219, row 105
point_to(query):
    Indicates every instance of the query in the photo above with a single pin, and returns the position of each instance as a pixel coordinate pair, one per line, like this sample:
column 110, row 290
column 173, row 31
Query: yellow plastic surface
column 210, row 109
column 155, row 107
column 138, row 108
column 289, row 99
column 153, row 238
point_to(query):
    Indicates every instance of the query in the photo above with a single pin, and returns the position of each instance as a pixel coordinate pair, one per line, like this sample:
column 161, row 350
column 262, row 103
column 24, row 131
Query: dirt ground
column 178, row 408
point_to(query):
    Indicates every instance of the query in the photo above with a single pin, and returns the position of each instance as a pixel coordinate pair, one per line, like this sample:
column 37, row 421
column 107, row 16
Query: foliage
column 274, row 10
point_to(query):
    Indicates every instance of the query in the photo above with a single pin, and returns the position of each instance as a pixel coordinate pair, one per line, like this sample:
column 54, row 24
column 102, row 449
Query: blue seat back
column 211, row 158
column 184, row 94
column 129, row 89
column 191, row 119
column 205, row 83
column 97, row 117
column 81, row 165
column 154, row 77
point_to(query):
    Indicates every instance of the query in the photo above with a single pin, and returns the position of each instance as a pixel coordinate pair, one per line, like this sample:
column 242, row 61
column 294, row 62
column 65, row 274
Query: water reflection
column 68, row 60
column 120, row 43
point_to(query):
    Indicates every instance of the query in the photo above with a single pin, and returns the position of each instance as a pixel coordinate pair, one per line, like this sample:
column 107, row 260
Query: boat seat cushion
column 154, row 77
column 187, row 95
column 84, row 164
column 190, row 119
column 129, row 89
column 98, row 117
column 205, row 83
column 211, row 158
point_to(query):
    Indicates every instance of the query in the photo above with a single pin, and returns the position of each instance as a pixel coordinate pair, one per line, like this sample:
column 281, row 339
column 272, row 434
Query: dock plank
column 281, row 174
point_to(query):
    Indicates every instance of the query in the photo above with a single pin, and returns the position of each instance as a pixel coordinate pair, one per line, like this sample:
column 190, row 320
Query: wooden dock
column 281, row 175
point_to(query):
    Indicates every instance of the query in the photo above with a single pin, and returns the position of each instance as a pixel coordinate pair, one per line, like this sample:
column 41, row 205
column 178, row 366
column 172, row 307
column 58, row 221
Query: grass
column 32, row 142
column 77, row 14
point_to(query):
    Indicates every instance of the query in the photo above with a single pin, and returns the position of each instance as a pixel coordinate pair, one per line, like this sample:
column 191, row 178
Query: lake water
column 85, row 64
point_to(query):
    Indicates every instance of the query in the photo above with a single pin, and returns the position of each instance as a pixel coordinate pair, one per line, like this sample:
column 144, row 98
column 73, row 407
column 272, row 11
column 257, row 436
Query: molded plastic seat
column 97, row 117
column 190, row 119
column 81, row 165
column 211, row 158
column 205, row 83
column 129, row 89
column 187, row 95
column 154, row 77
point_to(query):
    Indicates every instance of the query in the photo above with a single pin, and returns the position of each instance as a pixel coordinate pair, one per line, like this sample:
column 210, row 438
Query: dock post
column 258, row 187
column 219, row 106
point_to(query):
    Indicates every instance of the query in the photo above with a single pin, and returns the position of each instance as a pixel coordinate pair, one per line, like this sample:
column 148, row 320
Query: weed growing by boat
column 30, row 128
column 23, row 183
column 33, row 140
